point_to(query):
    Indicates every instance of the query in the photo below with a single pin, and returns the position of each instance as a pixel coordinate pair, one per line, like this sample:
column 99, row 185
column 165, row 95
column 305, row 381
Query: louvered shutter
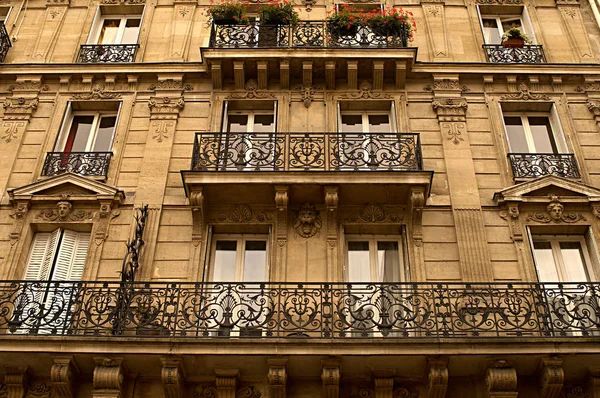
column 79, row 256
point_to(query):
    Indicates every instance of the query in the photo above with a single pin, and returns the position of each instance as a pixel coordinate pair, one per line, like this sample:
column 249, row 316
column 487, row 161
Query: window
column 561, row 258
column 494, row 25
column 116, row 29
column 88, row 132
column 365, row 122
column 260, row 118
column 374, row 259
column 4, row 14
column 240, row 259
column 533, row 133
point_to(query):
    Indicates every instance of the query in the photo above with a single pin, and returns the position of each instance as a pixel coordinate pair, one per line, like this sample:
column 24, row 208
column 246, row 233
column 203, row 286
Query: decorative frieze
column 252, row 92
column 375, row 213
column 365, row 91
column 308, row 221
column 241, row 213
column 525, row 94
column 64, row 212
column 62, row 375
column 551, row 377
column 98, row 92
column 555, row 213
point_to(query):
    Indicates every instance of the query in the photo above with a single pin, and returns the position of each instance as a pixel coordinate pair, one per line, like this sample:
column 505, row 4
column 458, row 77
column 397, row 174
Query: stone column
column 62, row 377
column 108, row 378
column 451, row 110
column 277, row 377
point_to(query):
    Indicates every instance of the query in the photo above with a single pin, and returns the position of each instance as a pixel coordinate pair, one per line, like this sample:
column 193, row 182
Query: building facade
column 201, row 210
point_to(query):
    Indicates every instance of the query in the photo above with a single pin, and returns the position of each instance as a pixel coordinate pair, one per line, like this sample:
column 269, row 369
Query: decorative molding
column 98, row 93
column 58, row 2
column 39, row 390
column 277, row 377
column 167, row 84
column 308, row 222
column 242, row 213
column 524, row 94
column 64, row 212
column 173, row 378
column 34, row 86
column 308, row 4
column 247, row 392
column 555, row 213
column 62, row 375
column 123, row 2
column 307, row 93
column 19, row 109
column 373, row 213
column 568, row 2
column 437, row 377
column 511, row 215
column 19, row 213
column 365, row 91
column 445, row 84
column 251, row 92
column 196, row 198
column 453, row 131
column 503, row 2
column 451, row 109
column 417, row 203
column 551, row 377
column 165, row 107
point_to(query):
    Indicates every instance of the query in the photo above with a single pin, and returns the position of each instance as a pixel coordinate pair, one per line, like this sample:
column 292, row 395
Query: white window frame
column 523, row 19
column 557, row 254
column 365, row 119
column 251, row 114
column 373, row 263
column 68, row 123
column 241, row 240
column 99, row 22
column 557, row 133
column 7, row 14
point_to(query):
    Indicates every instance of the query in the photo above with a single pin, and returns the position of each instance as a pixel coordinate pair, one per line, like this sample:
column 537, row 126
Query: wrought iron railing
column 532, row 165
column 307, row 152
column 263, row 310
column 5, row 43
column 305, row 34
column 84, row 163
column 528, row 54
column 104, row 53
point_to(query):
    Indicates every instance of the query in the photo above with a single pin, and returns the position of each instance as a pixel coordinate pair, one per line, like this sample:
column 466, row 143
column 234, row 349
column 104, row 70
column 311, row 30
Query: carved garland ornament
column 64, row 212
column 373, row 213
column 242, row 213
column 251, row 92
column 308, row 93
column 98, row 93
column 307, row 222
column 365, row 91
column 524, row 95
column 555, row 213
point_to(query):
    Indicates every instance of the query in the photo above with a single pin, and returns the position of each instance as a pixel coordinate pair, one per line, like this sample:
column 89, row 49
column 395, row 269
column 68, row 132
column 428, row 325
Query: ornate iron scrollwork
column 311, row 310
column 306, row 151
column 304, row 34
column 102, row 53
column 528, row 54
column 93, row 164
column 533, row 165
column 5, row 43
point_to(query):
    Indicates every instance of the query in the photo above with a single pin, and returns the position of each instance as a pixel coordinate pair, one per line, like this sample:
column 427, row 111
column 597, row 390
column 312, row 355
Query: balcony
column 529, row 54
column 107, row 53
column 534, row 165
column 299, row 311
column 91, row 164
column 5, row 43
column 307, row 152
column 307, row 34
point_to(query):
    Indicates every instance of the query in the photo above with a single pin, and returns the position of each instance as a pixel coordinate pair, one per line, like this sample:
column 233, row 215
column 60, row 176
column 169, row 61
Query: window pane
column 224, row 266
column 542, row 135
column 352, row 124
column 237, row 123
column 110, row 29
column 263, row 123
column 255, row 261
column 359, row 269
column 379, row 123
column 79, row 134
column 130, row 35
column 516, row 135
column 508, row 23
column 491, row 33
column 106, row 129
column 544, row 262
column 573, row 259
column 388, row 262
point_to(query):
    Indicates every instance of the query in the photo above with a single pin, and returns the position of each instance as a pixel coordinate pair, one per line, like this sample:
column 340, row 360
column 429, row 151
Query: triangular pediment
column 70, row 185
column 548, row 186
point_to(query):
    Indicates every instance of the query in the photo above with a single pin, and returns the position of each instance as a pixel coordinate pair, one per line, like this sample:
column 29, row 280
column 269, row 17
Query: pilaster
column 331, row 205
column 574, row 26
column 181, row 29
column 51, row 24
column 281, row 231
column 277, row 377
column 62, row 375
column 226, row 382
column 437, row 32
column 108, row 378
column 330, row 375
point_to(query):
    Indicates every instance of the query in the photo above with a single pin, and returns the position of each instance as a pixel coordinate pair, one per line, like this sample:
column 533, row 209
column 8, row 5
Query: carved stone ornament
column 505, row 2
column 363, row 392
column 251, row 92
column 19, row 108
column 64, row 212
column 501, row 377
column 165, row 105
column 446, row 84
column 123, row 2
column 576, row 392
column 555, row 213
column 551, row 377
column 594, row 107
column 167, row 84
column 524, row 95
column 451, row 109
column 277, row 377
column 205, row 392
column 108, row 374
column 247, row 392
column 373, row 213
column 307, row 222
column 3, row 390
column 28, row 85
column 308, row 4
column 98, row 93
column 569, row 2
column 39, row 391
column 365, row 91
column 403, row 392
column 308, row 93
column 242, row 213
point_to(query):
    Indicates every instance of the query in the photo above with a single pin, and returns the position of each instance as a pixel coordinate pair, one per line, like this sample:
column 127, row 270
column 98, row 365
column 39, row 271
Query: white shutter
column 557, row 131
column 275, row 116
column 65, row 128
column 393, row 119
column 71, row 256
column 528, row 26
column 485, row 39
column 224, row 118
column 41, row 256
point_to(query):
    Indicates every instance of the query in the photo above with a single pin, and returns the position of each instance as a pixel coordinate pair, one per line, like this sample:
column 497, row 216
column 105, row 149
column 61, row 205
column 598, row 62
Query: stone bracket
column 277, row 377
column 173, row 377
column 551, row 377
column 226, row 382
column 330, row 376
column 437, row 377
column 62, row 375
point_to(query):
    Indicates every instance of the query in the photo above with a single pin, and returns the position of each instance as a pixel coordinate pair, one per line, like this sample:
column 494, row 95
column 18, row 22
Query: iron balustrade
column 307, row 34
column 528, row 54
column 311, row 310
column 5, row 43
column 533, row 165
column 307, row 152
column 93, row 164
column 105, row 53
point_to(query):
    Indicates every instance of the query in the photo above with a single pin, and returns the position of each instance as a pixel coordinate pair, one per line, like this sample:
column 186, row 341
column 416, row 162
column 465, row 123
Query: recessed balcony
column 307, row 34
column 528, row 54
column 534, row 165
column 299, row 311
column 5, row 43
column 90, row 164
column 107, row 53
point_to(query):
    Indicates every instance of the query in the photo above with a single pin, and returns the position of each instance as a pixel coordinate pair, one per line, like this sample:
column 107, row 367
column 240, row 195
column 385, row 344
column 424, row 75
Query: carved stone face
column 307, row 221
column 64, row 209
column 555, row 210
